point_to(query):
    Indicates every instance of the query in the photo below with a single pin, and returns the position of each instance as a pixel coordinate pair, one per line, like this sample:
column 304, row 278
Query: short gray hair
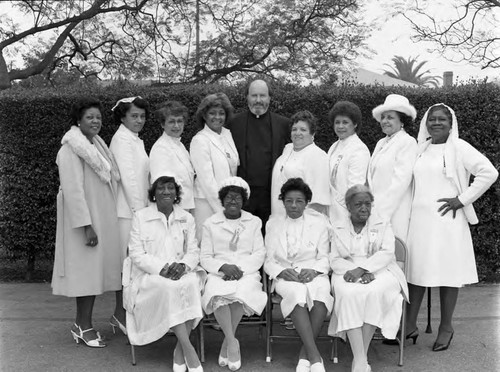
column 357, row 189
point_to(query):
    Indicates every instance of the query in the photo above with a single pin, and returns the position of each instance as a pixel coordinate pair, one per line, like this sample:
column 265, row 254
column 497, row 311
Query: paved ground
column 34, row 336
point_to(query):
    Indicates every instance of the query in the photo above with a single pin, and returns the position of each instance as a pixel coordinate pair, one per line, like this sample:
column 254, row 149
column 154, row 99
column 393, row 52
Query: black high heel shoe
column 442, row 347
column 413, row 335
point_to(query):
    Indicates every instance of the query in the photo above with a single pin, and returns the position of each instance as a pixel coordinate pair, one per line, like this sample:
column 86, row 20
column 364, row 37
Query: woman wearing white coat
column 302, row 158
column 232, row 252
column 391, row 166
column 213, row 154
column 439, row 238
column 348, row 157
column 168, row 156
column 161, row 276
column 297, row 246
column 131, row 115
column 366, row 279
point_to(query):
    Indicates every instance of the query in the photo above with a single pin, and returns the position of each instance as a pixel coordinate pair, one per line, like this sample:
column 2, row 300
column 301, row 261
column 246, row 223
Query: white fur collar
column 88, row 152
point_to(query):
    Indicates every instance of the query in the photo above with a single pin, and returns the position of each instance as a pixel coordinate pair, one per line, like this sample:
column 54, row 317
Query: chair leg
column 132, row 351
column 202, row 342
column 269, row 325
column 402, row 336
column 335, row 350
column 429, row 328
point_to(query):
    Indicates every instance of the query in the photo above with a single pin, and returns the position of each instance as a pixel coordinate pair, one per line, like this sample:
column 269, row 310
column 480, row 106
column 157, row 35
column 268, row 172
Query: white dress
column 440, row 247
column 348, row 163
column 240, row 243
column 379, row 302
column 301, row 243
column 155, row 304
column 310, row 164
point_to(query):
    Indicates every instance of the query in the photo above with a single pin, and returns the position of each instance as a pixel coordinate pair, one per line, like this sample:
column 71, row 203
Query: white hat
column 236, row 181
column 395, row 102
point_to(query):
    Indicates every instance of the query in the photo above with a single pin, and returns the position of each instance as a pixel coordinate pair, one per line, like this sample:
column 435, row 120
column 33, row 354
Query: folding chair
column 208, row 321
column 275, row 299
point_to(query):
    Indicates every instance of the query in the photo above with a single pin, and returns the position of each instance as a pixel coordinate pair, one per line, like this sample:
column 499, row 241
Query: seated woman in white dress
column 366, row 280
column 232, row 252
column 161, row 276
column 297, row 259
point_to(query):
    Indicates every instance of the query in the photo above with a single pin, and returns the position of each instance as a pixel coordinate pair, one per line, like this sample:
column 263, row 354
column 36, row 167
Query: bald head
column 258, row 97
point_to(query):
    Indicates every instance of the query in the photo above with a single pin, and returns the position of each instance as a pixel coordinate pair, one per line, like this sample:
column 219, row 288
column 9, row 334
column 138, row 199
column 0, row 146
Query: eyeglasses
column 235, row 198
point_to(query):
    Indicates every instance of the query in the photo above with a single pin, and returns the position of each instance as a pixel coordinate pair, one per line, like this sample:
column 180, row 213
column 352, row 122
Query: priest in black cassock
column 260, row 136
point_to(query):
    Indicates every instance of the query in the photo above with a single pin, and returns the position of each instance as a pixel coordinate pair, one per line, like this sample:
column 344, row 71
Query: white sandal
column 97, row 342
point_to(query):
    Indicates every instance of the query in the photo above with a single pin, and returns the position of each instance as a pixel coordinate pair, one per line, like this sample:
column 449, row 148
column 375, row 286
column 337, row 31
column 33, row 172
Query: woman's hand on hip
column 91, row 236
column 450, row 204
column 290, row 275
column 307, row 275
column 231, row 272
column 354, row 275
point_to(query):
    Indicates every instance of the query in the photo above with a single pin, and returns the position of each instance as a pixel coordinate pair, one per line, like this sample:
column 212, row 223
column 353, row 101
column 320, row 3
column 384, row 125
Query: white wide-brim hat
column 395, row 102
column 235, row 181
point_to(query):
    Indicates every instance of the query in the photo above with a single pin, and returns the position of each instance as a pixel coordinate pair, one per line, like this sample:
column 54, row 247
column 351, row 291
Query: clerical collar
column 259, row 116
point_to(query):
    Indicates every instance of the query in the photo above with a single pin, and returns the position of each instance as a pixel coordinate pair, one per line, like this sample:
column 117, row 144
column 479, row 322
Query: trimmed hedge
column 32, row 123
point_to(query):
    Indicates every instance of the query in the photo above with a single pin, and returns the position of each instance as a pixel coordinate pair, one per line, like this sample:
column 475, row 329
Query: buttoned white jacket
column 169, row 157
column 314, row 248
column 133, row 163
column 381, row 250
column 390, row 176
column 153, row 244
column 215, row 248
column 351, row 157
column 210, row 161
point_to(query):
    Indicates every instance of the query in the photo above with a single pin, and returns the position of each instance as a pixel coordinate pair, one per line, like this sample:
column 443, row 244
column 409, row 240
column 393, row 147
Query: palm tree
column 409, row 70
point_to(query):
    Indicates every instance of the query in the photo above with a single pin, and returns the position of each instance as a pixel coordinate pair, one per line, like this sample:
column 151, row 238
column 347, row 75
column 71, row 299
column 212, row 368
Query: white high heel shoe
column 97, row 342
column 318, row 367
column 114, row 322
column 223, row 361
column 234, row 366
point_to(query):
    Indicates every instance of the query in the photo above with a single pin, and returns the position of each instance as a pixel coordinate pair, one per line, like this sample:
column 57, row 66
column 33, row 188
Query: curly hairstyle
column 121, row 110
column 406, row 120
column 307, row 117
column 226, row 189
column 210, row 101
column 161, row 181
column 171, row 108
column 79, row 107
column 346, row 108
column 296, row 184
column 357, row 189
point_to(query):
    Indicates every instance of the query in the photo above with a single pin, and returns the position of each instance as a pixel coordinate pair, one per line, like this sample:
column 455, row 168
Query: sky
column 393, row 37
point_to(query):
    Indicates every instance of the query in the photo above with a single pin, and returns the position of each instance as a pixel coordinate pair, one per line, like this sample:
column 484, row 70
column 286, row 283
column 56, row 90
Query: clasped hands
column 173, row 271
column 450, row 204
column 304, row 276
column 358, row 274
column 231, row 272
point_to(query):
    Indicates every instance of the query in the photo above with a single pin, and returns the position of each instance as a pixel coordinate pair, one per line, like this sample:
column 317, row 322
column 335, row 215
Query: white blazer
column 133, row 163
column 390, row 177
column 211, row 163
column 215, row 248
column 314, row 250
column 348, row 160
column 169, row 157
column 382, row 242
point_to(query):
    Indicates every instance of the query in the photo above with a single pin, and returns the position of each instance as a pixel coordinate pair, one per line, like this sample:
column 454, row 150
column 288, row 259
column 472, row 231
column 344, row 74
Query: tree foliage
column 157, row 39
column 470, row 29
column 410, row 70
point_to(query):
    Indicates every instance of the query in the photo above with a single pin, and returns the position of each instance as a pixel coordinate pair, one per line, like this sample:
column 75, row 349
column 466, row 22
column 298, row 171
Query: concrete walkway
column 34, row 336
